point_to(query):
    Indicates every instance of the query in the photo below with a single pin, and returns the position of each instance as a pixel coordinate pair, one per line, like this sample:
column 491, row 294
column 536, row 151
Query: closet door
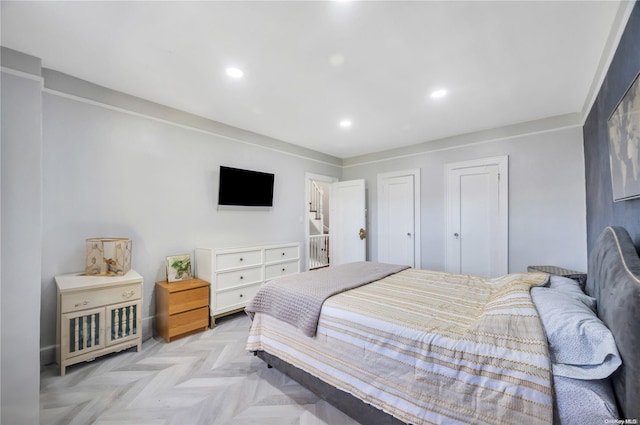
column 477, row 217
column 398, row 237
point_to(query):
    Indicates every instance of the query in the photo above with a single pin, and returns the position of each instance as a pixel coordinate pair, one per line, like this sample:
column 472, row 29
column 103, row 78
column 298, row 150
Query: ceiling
column 308, row 65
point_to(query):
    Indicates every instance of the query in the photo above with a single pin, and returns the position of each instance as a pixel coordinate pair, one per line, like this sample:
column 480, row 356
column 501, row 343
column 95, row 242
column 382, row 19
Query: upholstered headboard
column 614, row 280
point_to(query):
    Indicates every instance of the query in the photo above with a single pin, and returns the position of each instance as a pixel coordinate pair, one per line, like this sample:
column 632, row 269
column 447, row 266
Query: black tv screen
column 245, row 187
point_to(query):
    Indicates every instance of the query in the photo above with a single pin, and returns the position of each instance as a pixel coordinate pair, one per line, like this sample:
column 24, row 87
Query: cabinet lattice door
column 84, row 331
column 122, row 321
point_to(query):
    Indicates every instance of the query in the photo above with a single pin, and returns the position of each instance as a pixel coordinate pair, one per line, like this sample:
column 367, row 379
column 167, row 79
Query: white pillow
column 571, row 287
column 580, row 345
column 581, row 401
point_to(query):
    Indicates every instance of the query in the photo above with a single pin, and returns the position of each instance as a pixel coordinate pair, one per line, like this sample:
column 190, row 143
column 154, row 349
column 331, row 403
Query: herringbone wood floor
column 206, row 378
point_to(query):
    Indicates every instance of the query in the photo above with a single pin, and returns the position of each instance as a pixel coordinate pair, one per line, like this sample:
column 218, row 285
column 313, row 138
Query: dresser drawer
column 188, row 321
column 81, row 300
column 188, row 300
column 231, row 260
column 238, row 277
column 236, row 297
column 280, row 254
column 281, row 269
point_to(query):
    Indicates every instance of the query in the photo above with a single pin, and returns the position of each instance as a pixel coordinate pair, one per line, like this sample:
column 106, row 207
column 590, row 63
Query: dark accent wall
column 601, row 210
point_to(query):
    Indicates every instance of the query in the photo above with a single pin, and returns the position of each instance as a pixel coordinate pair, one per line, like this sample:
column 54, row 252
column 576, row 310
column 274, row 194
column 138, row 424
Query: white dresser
column 236, row 274
column 97, row 315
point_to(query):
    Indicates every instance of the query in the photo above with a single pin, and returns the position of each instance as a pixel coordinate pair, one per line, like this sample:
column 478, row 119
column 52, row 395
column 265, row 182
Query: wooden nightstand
column 182, row 308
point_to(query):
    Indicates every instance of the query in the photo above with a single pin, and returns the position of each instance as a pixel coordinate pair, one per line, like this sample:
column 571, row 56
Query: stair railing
column 318, row 251
column 315, row 206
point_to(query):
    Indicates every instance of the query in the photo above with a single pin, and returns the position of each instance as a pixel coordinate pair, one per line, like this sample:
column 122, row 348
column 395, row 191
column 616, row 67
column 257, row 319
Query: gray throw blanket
column 297, row 299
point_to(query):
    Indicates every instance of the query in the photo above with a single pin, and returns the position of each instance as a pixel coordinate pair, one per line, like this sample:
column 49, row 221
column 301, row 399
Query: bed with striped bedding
column 428, row 347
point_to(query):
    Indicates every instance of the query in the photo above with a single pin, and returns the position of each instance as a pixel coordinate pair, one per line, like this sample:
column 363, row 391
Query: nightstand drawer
column 239, row 277
column 99, row 297
column 235, row 297
column 188, row 300
column 238, row 259
column 281, row 269
column 188, row 321
column 280, row 254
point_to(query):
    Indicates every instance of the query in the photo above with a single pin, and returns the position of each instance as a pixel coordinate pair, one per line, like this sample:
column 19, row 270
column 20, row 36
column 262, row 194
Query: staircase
column 318, row 232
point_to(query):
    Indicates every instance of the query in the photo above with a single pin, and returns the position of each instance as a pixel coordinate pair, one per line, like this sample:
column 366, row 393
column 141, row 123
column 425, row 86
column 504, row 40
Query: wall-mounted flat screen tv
column 245, row 187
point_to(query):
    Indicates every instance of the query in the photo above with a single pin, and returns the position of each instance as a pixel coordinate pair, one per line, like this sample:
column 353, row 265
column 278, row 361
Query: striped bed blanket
column 297, row 299
column 428, row 348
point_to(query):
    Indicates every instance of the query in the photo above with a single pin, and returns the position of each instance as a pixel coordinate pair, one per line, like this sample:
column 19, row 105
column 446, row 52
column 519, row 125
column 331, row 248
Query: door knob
column 455, row 235
column 362, row 233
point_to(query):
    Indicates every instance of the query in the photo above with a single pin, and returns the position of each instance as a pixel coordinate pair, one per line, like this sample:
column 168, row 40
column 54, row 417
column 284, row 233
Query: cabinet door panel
column 82, row 332
column 123, row 321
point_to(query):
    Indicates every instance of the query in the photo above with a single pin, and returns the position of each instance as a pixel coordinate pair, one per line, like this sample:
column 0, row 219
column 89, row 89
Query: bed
column 413, row 346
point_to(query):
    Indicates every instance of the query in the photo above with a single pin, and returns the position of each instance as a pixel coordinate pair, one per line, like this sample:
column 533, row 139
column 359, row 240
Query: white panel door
column 477, row 218
column 396, row 219
column 347, row 241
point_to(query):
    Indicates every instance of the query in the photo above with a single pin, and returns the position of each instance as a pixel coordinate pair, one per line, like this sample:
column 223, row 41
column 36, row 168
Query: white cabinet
column 236, row 274
column 97, row 315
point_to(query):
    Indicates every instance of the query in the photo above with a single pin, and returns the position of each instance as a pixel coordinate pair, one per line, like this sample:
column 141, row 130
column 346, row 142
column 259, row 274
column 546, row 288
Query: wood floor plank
column 206, row 378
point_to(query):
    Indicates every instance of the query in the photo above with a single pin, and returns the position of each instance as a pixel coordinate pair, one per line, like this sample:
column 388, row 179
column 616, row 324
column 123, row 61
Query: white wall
column 112, row 173
column 21, row 209
column 547, row 218
column 118, row 166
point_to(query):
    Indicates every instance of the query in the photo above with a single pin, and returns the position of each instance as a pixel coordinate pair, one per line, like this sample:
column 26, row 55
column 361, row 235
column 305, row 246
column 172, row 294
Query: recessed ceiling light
column 336, row 60
column 234, row 72
column 345, row 123
column 438, row 94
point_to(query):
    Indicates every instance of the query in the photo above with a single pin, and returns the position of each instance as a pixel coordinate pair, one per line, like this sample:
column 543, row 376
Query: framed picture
column 624, row 145
column 179, row 268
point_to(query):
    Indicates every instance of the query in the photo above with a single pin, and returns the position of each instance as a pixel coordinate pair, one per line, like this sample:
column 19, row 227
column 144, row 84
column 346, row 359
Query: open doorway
column 317, row 225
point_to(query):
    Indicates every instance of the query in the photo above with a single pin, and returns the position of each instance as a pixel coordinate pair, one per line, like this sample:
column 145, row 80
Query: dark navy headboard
column 614, row 280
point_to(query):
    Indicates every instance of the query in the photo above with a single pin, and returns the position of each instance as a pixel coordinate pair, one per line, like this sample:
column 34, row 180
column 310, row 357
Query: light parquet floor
column 206, row 378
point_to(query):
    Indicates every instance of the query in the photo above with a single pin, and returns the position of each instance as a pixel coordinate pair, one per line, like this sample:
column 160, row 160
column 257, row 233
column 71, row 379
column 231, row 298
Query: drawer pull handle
column 240, row 258
column 283, row 269
column 283, row 253
column 85, row 302
column 241, row 277
column 128, row 294
column 240, row 295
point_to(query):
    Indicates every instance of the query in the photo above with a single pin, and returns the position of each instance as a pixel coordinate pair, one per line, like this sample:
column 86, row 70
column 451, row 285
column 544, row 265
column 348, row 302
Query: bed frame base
column 347, row 403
